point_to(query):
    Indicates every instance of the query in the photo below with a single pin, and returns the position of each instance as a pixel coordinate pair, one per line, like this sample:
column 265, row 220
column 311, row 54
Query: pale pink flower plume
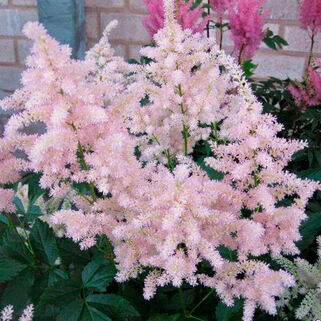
column 246, row 21
column 27, row 313
column 6, row 198
column 7, row 313
column 158, row 216
column 187, row 17
column 310, row 15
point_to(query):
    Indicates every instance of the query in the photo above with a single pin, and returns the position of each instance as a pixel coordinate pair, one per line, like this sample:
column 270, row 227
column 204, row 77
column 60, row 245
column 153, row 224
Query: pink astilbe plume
column 162, row 212
column 308, row 93
column 246, row 22
column 187, row 17
column 310, row 15
column 220, row 7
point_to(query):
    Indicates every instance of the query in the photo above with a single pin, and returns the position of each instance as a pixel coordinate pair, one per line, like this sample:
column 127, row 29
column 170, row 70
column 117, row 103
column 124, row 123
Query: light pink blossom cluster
column 310, row 15
column 187, row 17
column 308, row 93
column 162, row 212
column 7, row 313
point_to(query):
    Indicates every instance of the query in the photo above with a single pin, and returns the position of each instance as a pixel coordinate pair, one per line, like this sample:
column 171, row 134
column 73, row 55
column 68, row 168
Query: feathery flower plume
column 308, row 94
column 247, row 21
column 160, row 211
column 220, row 7
column 7, row 313
column 310, row 15
column 188, row 18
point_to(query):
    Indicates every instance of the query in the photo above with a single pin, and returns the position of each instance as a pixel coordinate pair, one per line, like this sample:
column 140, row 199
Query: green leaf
column 9, row 268
column 33, row 212
column 164, row 317
column 71, row 253
column 62, row 292
column 225, row 313
column 133, row 61
column 314, row 174
column 115, row 306
column 309, row 230
column 72, row 311
column 43, row 242
column 34, row 187
column 249, row 68
column 212, row 173
column 17, row 291
column 98, row 274
column 15, row 249
column 92, row 314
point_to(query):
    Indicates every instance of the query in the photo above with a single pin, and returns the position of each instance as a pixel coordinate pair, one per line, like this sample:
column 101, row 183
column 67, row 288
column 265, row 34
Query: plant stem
column 204, row 299
column 215, row 128
column 185, row 127
column 241, row 54
column 180, row 293
column 195, row 318
column 82, row 195
column 12, row 225
column 169, row 161
column 185, row 134
column 221, row 33
column 311, row 50
column 209, row 14
column 85, row 167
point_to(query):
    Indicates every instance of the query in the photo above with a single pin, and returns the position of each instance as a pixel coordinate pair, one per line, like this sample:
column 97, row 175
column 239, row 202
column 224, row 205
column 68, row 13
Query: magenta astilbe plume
column 308, row 94
column 187, row 17
column 220, row 6
column 310, row 15
column 247, row 22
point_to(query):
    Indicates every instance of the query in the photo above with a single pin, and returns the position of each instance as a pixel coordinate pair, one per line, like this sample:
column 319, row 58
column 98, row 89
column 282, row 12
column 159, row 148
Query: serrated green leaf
column 314, row 174
column 19, row 206
column 9, row 269
column 17, row 291
column 34, row 190
column 71, row 253
column 14, row 248
column 115, row 306
column 309, row 230
column 92, row 314
column 225, row 313
column 56, row 275
column 72, row 311
column 212, row 173
column 98, row 274
column 164, row 317
column 62, row 292
column 33, row 212
column 43, row 242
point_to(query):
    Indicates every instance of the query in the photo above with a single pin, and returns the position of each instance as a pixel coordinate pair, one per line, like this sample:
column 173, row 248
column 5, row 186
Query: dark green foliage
column 274, row 42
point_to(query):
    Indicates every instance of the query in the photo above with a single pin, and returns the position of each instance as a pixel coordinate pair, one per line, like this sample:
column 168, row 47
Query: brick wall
column 130, row 35
column 14, row 47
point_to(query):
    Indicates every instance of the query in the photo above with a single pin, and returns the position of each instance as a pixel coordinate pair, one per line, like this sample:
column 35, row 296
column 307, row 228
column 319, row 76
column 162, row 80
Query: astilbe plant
column 188, row 17
column 308, row 93
column 161, row 212
column 308, row 279
column 246, row 20
column 7, row 313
